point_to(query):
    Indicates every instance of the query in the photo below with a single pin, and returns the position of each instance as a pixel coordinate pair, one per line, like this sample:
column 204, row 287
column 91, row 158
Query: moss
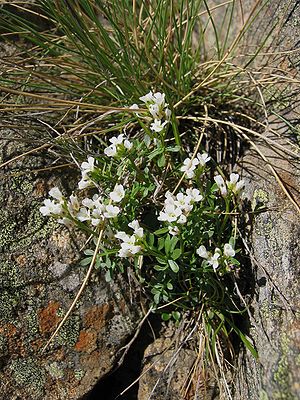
column 28, row 374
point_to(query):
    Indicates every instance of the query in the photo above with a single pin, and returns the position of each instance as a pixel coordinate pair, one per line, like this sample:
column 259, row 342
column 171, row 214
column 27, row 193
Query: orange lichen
column 21, row 260
column 8, row 330
column 48, row 318
column 86, row 341
column 97, row 315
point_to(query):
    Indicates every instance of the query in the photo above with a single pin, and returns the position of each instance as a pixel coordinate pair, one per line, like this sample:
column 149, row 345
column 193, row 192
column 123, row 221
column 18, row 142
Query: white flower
column 159, row 99
column 88, row 166
column 203, row 158
column 202, row 252
column 83, row 214
column 154, row 110
column 129, row 246
column 182, row 219
column 56, row 194
column 173, row 230
column 228, row 250
column 189, row 167
column 170, row 199
column 221, row 184
column 97, row 217
column 128, row 250
column 117, row 194
column 111, row 211
column 66, row 221
column 84, row 183
column 170, row 213
column 117, row 140
column 122, row 236
column 128, row 145
column 110, row 151
column 73, row 205
column 184, row 202
column 148, row 98
column 213, row 260
column 157, row 125
column 51, row 208
column 89, row 203
column 194, row 194
column 234, row 184
column 138, row 231
column 168, row 113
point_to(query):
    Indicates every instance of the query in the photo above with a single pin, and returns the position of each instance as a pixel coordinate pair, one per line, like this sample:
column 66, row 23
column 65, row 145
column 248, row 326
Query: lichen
column 69, row 332
column 79, row 374
column 8, row 303
column 32, row 323
column 3, row 346
column 9, row 275
column 263, row 395
column 282, row 373
column 55, row 370
column 260, row 199
column 28, row 374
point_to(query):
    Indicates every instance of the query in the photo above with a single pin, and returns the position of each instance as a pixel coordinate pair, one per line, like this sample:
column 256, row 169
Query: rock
column 275, row 249
column 39, row 277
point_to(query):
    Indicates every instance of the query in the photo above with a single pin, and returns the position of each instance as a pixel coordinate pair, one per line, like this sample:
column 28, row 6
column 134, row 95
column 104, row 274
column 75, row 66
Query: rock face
column 39, row 277
column 275, row 253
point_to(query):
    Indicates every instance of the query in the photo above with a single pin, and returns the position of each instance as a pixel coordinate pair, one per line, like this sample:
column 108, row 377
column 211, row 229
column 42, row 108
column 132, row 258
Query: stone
column 39, row 277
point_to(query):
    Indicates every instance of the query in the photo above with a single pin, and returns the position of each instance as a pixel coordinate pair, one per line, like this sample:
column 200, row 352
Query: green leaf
column 161, row 162
column 174, row 149
column 155, row 153
column 176, row 315
column 161, row 243
column 86, row 261
column 156, row 298
column 174, row 266
column 165, row 316
column 89, row 252
column 161, row 260
column 167, row 244
column 151, row 240
column 232, row 242
column 174, row 241
column 160, row 267
column 108, row 276
column 161, row 231
column 176, row 254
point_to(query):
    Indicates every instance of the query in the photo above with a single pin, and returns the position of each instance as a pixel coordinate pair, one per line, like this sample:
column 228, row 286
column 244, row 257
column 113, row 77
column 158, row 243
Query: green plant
column 153, row 195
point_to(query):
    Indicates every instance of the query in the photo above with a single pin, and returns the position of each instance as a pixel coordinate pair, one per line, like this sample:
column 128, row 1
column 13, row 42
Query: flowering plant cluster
column 176, row 233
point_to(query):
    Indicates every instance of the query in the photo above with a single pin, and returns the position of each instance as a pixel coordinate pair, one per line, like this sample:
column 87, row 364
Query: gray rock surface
column 39, row 278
